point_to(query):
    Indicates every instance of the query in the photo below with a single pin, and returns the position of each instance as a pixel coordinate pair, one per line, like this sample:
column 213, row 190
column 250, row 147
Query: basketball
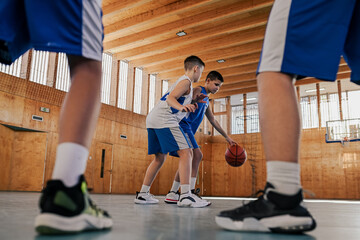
column 235, row 156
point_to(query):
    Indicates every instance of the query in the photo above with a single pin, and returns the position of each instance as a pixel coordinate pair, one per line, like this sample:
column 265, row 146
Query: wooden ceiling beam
column 199, row 29
column 233, row 39
column 172, row 8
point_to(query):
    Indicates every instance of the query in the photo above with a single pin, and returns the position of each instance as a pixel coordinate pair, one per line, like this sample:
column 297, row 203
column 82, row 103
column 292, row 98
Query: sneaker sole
column 144, row 202
column 191, row 205
column 51, row 224
column 171, row 201
column 277, row 224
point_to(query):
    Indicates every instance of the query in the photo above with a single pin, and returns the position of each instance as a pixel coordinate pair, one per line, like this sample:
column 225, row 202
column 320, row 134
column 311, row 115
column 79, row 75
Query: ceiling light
column 220, row 60
column 249, row 99
column 181, row 33
column 314, row 90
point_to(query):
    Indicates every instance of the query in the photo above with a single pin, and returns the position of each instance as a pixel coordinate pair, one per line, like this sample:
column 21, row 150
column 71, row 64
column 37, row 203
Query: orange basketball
column 235, row 156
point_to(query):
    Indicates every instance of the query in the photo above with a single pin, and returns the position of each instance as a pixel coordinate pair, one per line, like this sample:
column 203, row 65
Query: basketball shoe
column 172, row 197
column 271, row 212
column 145, row 198
column 196, row 193
column 191, row 200
column 66, row 210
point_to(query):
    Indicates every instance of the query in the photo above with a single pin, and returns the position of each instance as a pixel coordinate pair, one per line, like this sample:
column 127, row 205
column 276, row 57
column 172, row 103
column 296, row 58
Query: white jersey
column 164, row 116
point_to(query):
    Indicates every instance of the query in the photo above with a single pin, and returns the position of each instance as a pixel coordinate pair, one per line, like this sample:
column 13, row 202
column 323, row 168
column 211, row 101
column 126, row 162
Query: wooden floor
column 336, row 220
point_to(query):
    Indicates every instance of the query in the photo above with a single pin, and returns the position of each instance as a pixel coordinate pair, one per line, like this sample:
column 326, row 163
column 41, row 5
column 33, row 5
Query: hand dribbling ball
column 235, row 155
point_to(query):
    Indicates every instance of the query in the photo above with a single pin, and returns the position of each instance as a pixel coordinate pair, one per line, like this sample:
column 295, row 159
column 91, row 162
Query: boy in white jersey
column 165, row 134
column 189, row 125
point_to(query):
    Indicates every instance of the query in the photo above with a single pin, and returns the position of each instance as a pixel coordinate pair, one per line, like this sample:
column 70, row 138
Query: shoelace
column 196, row 192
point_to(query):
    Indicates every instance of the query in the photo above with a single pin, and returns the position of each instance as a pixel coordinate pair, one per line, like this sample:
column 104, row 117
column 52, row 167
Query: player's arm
column 182, row 88
column 198, row 96
column 210, row 116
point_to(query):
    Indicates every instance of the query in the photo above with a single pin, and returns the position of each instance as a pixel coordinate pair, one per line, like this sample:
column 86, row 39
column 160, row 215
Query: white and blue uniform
column 307, row 38
column 70, row 26
column 162, row 123
column 191, row 123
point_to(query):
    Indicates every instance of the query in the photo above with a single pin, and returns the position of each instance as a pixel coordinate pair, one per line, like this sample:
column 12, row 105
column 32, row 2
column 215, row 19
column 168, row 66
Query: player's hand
column 199, row 98
column 230, row 141
column 188, row 108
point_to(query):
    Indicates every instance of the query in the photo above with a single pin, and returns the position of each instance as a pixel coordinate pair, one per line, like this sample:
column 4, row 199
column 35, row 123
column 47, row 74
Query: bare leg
column 185, row 165
column 81, row 107
column 154, row 168
column 197, row 157
column 279, row 117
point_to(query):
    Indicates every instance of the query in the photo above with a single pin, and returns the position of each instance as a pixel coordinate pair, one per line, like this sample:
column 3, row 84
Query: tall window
column 165, row 86
column 329, row 107
column 252, row 118
column 350, row 104
column 237, row 119
column 220, row 106
column 63, row 73
column 39, row 66
column 123, row 81
column 137, row 90
column 152, row 91
column 309, row 112
column 106, row 78
column 13, row 69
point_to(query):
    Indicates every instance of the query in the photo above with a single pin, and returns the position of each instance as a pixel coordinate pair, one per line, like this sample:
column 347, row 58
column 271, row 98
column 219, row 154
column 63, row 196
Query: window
column 106, row 78
column 329, row 107
column 152, row 91
column 220, row 106
column 63, row 73
column 39, row 66
column 237, row 119
column 350, row 104
column 252, row 118
column 123, row 81
column 13, row 69
column 309, row 112
column 165, row 86
column 137, row 90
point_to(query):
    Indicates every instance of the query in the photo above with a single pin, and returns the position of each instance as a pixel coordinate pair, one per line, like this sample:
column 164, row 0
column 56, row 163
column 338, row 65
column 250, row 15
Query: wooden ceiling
column 144, row 33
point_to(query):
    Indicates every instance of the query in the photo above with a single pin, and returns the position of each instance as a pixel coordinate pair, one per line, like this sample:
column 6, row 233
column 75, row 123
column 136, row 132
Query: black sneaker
column 272, row 211
column 69, row 210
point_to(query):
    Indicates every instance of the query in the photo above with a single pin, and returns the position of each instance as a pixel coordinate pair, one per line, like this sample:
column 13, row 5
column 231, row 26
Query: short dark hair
column 213, row 75
column 191, row 61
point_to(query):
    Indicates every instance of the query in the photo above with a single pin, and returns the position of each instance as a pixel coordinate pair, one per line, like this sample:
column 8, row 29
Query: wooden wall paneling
column 104, row 129
column 166, row 175
column 27, row 167
column 52, row 142
column 123, row 170
column 6, row 151
column 102, row 167
column 206, row 169
column 11, row 108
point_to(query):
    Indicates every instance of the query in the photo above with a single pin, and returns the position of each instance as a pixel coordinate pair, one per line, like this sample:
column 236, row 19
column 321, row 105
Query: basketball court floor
column 336, row 220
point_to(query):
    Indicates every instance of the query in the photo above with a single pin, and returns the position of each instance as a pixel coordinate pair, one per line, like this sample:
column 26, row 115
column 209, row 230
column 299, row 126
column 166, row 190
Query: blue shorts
column 190, row 136
column 70, row 26
column 165, row 140
column 306, row 38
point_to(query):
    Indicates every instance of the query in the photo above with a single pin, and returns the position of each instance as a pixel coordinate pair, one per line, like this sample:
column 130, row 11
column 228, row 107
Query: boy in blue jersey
column 303, row 38
column 74, row 27
column 165, row 134
column 189, row 125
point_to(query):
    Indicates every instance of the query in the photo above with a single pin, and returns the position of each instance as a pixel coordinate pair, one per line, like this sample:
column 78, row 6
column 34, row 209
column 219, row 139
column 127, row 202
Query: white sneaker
column 196, row 194
column 172, row 197
column 191, row 200
column 145, row 198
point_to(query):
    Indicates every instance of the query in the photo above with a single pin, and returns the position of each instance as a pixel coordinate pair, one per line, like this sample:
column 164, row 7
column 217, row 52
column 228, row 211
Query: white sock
column 175, row 186
column 145, row 189
column 284, row 176
column 193, row 183
column 70, row 164
column 185, row 188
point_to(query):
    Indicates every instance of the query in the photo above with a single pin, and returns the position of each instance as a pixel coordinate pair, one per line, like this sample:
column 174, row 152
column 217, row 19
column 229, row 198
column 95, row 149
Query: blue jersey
column 194, row 119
